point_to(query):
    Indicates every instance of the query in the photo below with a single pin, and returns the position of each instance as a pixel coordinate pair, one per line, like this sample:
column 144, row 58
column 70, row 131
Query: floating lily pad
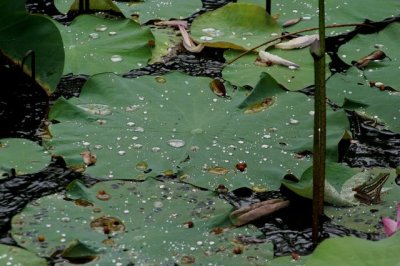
column 23, row 155
column 336, row 12
column 166, row 40
column 175, row 122
column 157, row 222
column 367, row 217
column 237, row 26
column 11, row 255
column 336, row 175
column 21, row 32
column 385, row 71
column 73, row 5
column 244, row 71
column 352, row 251
column 351, row 91
column 95, row 45
column 143, row 11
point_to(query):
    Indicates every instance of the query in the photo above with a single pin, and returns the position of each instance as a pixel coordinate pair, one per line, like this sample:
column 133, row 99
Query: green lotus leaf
column 165, row 40
column 95, row 45
column 21, row 32
column 364, row 217
column 237, row 26
column 157, row 10
column 140, row 222
column 355, row 251
column 351, row 91
column 244, row 71
column 78, row 191
column 11, row 255
column 174, row 122
column 336, row 175
column 336, row 13
column 23, row 155
column 385, row 71
column 73, row 5
column 288, row 261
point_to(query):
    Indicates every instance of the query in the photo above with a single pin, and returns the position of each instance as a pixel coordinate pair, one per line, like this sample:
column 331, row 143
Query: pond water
column 24, row 107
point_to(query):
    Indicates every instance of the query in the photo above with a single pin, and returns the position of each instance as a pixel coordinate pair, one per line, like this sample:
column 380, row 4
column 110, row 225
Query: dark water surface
column 23, row 108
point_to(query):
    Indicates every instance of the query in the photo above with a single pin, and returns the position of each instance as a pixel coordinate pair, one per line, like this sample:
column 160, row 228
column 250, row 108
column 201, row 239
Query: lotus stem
column 268, row 6
column 319, row 149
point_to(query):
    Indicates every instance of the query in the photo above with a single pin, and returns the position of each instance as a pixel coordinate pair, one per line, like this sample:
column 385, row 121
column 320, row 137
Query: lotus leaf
column 336, row 175
column 174, row 122
column 336, row 12
column 94, row 45
column 244, row 71
column 165, row 40
column 352, row 251
column 23, row 155
column 385, row 71
column 36, row 33
column 156, row 222
column 11, row 255
column 73, row 5
column 365, row 217
column 159, row 10
column 351, row 91
column 237, row 26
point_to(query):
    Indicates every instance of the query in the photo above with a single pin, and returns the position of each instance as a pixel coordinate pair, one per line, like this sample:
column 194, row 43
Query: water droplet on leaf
column 116, row 58
column 176, row 143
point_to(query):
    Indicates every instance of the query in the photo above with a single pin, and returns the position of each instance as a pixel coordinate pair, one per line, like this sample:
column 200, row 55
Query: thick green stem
column 318, row 53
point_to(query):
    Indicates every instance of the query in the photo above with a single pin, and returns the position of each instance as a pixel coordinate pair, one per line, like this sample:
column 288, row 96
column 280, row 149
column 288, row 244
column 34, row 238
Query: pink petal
column 390, row 226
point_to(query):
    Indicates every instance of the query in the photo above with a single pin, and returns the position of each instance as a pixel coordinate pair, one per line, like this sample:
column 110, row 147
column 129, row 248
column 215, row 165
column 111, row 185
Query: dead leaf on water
column 255, row 211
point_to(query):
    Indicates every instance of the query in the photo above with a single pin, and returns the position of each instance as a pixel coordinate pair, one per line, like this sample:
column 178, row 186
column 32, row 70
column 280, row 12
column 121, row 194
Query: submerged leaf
column 255, row 211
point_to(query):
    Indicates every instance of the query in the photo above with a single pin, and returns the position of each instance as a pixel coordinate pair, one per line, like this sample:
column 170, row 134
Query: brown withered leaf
column 291, row 22
column 255, row 211
column 375, row 55
column 274, row 59
column 218, row 88
column 88, row 158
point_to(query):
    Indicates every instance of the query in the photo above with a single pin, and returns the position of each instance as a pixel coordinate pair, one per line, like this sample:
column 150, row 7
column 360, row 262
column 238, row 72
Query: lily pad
column 143, row 11
column 21, row 32
column 367, row 217
column 73, row 5
column 11, row 255
column 385, row 71
column 244, row 71
column 95, row 45
column 23, row 155
column 166, row 40
column 336, row 175
column 141, row 223
column 336, row 12
column 174, row 123
column 237, row 26
column 351, row 91
column 355, row 251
